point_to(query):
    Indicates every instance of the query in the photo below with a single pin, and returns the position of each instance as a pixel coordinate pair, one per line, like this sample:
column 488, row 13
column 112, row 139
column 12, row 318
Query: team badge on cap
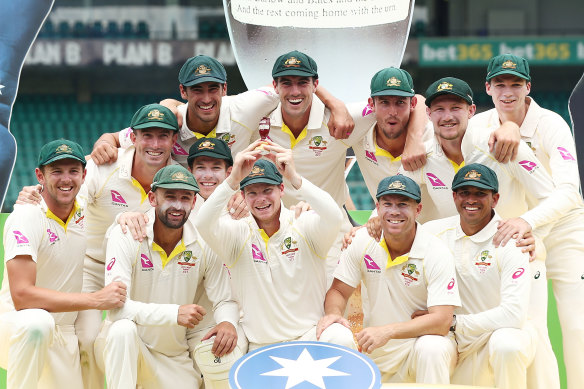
column 509, row 65
column 304, row 364
column 444, row 86
column 396, row 185
column 292, row 62
column 208, row 145
column 63, row 149
column 179, row 176
column 393, row 82
column 472, row 175
column 202, row 70
column 256, row 171
column 155, row 115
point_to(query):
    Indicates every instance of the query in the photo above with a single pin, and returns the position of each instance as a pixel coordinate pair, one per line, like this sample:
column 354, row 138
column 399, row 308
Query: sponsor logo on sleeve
column 52, row 236
column 111, row 264
column 118, row 199
column 370, row 155
column 146, row 263
column 257, row 254
column 566, row 154
column 20, row 238
column 435, row 181
column 367, row 110
column 530, row 166
column 178, row 149
column 370, row 264
column 518, row 273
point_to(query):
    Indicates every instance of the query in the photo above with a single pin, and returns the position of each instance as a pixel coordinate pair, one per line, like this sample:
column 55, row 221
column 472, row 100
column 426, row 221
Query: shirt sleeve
column 223, row 234
column 248, row 108
column 528, row 170
column 23, row 234
column 124, row 138
column 558, row 142
column 349, row 268
column 321, row 226
column 515, row 292
column 218, row 290
column 363, row 117
column 440, row 275
column 121, row 257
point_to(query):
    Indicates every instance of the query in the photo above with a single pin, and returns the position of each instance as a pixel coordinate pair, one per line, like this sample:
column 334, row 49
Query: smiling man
column 407, row 271
column 170, row 275
column 508, row 82
column 277, row 261
column 44, row 247
column 496, row 340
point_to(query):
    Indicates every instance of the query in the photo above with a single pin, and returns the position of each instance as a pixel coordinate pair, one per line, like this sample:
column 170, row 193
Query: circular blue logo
column 304, row 365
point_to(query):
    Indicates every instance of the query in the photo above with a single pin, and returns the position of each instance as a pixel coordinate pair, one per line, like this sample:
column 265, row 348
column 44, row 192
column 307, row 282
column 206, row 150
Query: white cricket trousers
column 36, row 353
column 88, row 324
column 429, row 359
column 565, row 267
column 502, row 362
column 129, row 362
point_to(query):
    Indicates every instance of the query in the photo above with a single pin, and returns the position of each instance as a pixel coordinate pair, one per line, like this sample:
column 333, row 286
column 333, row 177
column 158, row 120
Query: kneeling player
column 147, row 342
column 407, row 271
column 496, row 341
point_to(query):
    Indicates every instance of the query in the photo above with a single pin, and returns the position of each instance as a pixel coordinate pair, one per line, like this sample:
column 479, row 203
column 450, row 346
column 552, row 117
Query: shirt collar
column 483, row 235
column 315, row 120
column 50, row 215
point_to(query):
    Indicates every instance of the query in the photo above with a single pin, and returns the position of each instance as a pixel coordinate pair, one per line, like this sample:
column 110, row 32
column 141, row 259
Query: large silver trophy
column 350, row 40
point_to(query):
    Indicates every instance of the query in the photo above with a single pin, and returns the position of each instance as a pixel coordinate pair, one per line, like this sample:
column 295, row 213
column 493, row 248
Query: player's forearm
column 146, row 314
column 334, row 303
column 431, row 324
column 52, row 300
column 417, row 123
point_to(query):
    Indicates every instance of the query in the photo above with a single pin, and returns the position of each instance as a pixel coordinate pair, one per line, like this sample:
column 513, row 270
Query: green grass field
column 361, row 217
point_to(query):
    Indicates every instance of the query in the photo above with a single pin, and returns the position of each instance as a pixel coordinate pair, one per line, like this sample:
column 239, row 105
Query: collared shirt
column 56, row 247
column 317, row 155
column 495, row 282
column 281, row 280
column 158, row 284
column 527, row 189
column 107, row 191
column 239, row 117
column 427, row 278
column 376, row 163
column 550, row 138
column 435, row 180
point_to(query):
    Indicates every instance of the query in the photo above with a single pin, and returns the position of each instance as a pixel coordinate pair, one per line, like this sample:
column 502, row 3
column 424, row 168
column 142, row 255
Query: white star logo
column 305, row 369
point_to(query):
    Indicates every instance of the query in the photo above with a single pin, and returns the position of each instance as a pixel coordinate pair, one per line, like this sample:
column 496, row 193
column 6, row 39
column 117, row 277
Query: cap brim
column 390, row 92
column 200, row 80
column 259, row 180
column 512, row 72
column 64, row 156
column 155, row 125
column 398, row 192
column 211, row 154
column 476, row 184
column 178, row 185
column 294, row 72
column 442, row 93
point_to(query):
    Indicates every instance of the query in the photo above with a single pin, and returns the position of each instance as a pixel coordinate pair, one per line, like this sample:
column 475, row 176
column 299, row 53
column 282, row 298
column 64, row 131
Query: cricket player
column 147, row 341
column 496, row 340
column 209, row 112
column 407, row 271
column 41, row 292
column 276, row 260
column 508, row 82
